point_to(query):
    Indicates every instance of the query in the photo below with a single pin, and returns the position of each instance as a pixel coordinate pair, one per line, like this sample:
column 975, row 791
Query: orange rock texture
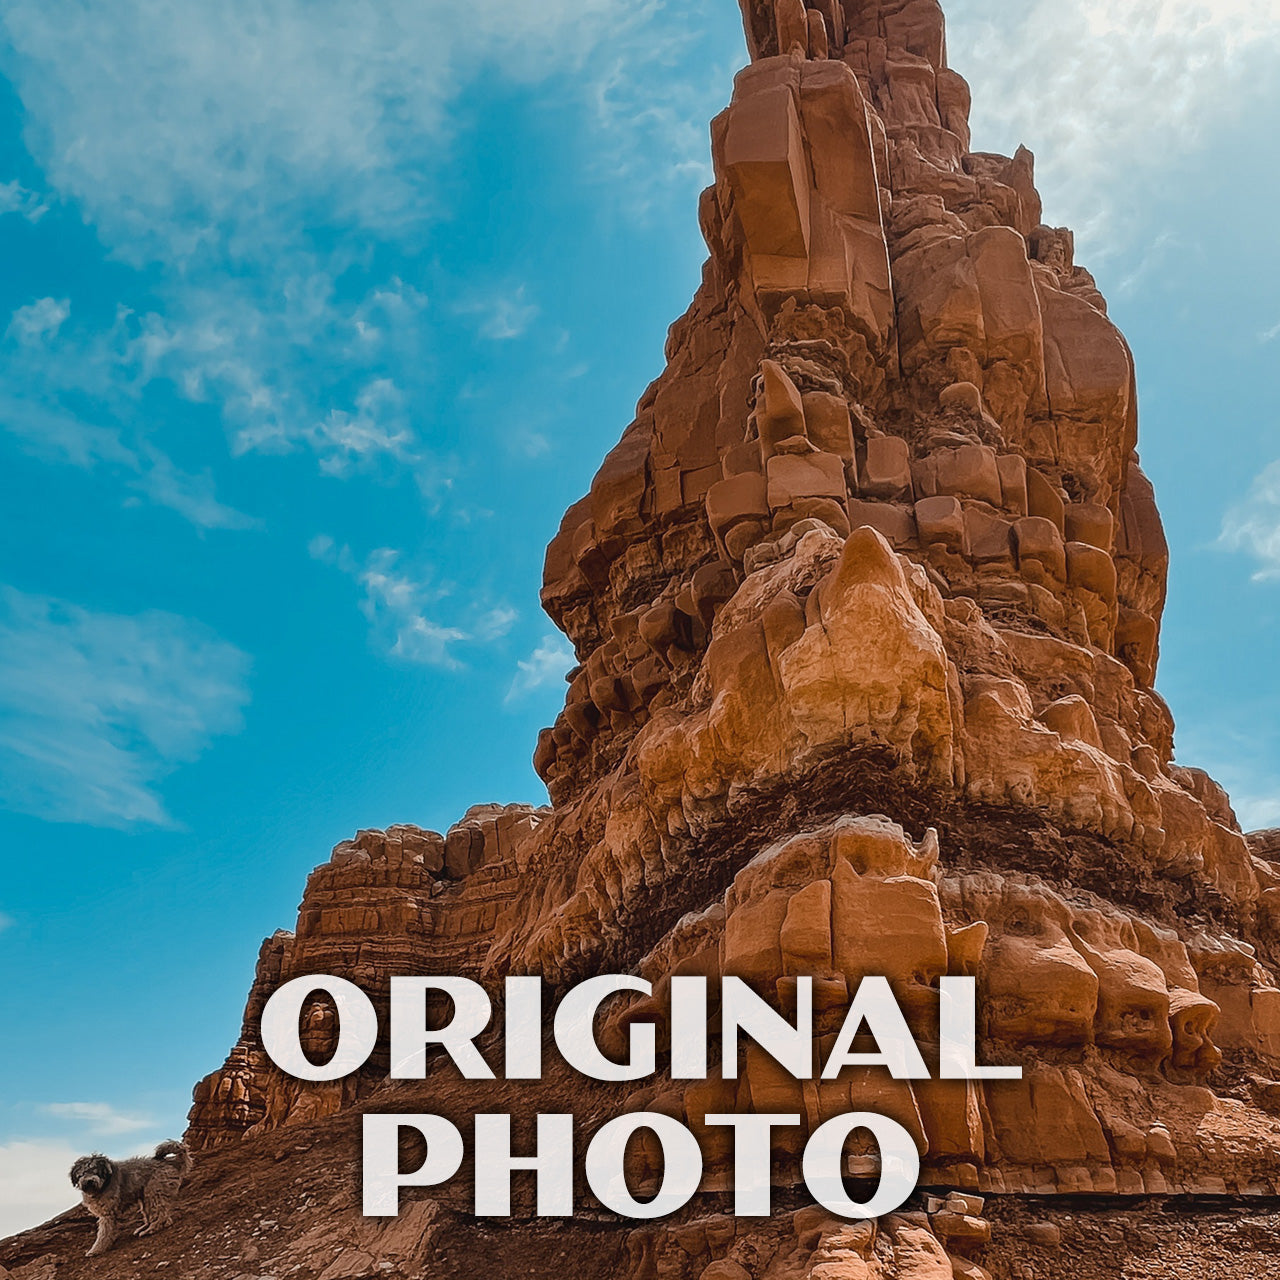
column 867, row 605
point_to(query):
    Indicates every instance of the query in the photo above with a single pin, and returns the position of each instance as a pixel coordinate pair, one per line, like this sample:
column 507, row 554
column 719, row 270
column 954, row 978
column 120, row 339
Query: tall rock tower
column 867, row 609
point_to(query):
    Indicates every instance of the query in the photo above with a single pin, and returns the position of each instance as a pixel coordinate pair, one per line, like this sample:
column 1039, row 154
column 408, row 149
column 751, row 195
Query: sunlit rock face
column 867, row 605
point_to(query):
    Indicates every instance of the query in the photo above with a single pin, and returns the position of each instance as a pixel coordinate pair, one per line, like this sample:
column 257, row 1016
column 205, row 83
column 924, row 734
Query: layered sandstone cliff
column 867, row 608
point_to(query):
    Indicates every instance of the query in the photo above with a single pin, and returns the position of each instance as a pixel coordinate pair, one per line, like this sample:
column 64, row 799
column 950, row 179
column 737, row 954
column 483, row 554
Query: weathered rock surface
column 867, row 607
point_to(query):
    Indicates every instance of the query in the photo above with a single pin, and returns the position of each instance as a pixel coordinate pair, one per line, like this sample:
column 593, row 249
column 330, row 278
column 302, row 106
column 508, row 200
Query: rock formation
column 867, row 609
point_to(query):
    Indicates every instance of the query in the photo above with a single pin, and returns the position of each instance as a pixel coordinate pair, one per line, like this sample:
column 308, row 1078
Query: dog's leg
column 157, row 1211
column 107, row 1228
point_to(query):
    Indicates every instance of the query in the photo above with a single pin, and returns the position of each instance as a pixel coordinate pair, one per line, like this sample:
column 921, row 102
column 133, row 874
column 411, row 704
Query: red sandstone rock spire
column 875, row 561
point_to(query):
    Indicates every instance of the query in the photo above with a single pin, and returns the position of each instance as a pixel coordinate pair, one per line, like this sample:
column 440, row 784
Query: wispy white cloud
column 405, row 606
column 99, row 1117
column 1257, row 812
column 15, row 198
column 56, row 435
column 261, row 153
column 1155, row 258
column 191, row 496
column 495, row 623
column 504, row 316
column 97, row 709
column 173, row 125
column 1103, row 90
column 377, row 427
column 41, row 319
column 6, row 921
column 547, row 665
column 1253, row 526
column 275, row 357
column 655, row 139
column 1269, row 335
column 102, row 373
column 388, row 315
column 530, row 443
column 373, row 429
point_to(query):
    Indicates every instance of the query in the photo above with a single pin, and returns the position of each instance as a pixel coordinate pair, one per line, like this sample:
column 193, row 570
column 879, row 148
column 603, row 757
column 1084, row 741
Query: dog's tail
column 177, row 1153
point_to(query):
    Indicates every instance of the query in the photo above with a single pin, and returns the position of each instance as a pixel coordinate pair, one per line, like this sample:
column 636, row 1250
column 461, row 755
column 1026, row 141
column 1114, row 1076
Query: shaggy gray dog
column 111, row 1188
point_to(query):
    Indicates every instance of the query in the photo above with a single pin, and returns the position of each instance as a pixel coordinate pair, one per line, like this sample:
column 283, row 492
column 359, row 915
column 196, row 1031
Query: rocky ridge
column 867, row 608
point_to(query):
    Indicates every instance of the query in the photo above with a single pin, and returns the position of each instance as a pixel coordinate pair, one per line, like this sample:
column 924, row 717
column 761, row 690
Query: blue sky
column 315, row 318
